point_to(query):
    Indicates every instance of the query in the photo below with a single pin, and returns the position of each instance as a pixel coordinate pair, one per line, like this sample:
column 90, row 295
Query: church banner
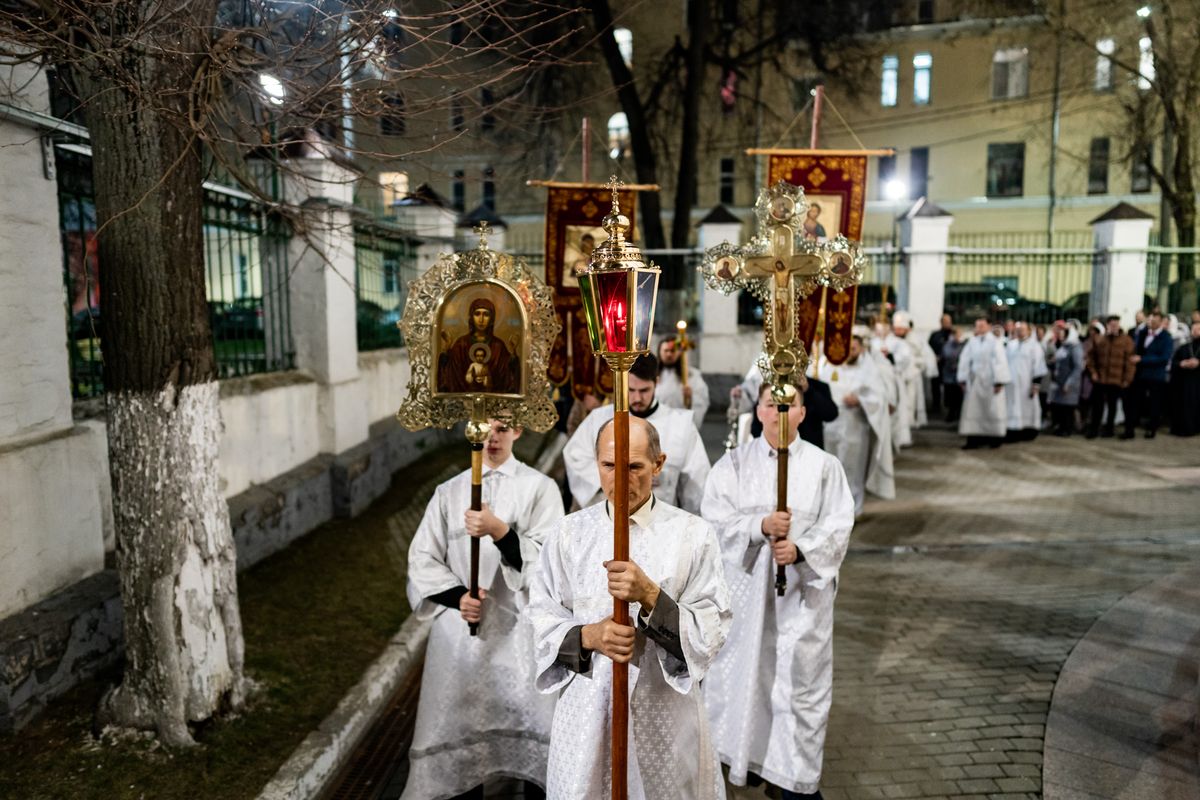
column 839, row 323
column 573, row 217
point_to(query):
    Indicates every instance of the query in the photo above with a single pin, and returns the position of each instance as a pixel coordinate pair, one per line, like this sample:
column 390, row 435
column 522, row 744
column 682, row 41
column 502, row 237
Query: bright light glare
column 273, row 87
column 895, row 189
column 1143, row 12
column 391, row 13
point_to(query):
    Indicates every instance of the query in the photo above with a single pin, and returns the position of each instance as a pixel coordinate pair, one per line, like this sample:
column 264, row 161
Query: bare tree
column 162, row 87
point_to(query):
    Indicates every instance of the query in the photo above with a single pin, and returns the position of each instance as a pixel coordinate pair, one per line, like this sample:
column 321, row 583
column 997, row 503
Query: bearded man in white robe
column 770, row 689
column 681, row 481
column 861, row 436
column 680, row 606
column 907, row 362
column 982, row 375
column 873, row 339
column 1027, row 366
column 671, row 392
column 479, row 716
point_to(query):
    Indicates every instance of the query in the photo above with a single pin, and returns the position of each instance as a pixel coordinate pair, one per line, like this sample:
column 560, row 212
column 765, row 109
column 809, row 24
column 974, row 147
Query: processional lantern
column 619, row 290
column 479, row 326
column 783, row 268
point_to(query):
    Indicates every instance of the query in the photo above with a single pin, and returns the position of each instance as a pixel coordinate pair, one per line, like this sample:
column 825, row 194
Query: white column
column 1119, row 278
column 721, row 349
column 925, row 235
column 323, row 303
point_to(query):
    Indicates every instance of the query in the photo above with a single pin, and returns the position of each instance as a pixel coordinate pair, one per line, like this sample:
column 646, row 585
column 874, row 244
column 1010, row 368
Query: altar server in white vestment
column 861, row 436
column 982, row 375
column 907, row 364
column 901, row 432
column 671, row 392
column 769, row 691
column 1027, row 366
column 681, row 481
column 479, row 715
column 679, row 604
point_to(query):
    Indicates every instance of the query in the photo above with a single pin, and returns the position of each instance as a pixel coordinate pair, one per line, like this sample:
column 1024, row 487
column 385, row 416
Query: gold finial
column 615, row 223
column 615, row 184
column 482, row 230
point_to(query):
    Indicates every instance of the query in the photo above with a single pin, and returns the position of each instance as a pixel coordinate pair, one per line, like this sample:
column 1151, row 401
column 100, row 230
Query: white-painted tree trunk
column 177, row 562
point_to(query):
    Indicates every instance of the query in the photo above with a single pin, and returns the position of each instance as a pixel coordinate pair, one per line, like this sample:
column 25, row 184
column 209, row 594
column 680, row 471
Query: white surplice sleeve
column 579, row 458
column 428, row 567
column 700, row 396
column 823, row 540
column 551, row 612
column 692, row 473
column 739, row 532
column 540, row 496
column 1000, row 371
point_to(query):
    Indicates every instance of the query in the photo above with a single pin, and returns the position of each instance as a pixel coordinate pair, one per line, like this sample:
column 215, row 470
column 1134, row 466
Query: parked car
column 238, row 319
column 1076, row 306
column 968, row 301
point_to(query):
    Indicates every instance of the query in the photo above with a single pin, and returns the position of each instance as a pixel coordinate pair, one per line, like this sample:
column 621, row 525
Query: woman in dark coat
column 1183, row 391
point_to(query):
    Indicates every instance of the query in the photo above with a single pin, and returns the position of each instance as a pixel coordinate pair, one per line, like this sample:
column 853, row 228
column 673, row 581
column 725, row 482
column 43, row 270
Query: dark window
column 457, row 31
column 391, row 273
column 456, row 115
column 1098, row 166
column 918, row 172
column 729, row 13
column 1142, row 160
column 392, row 123
column 726, row 192
column 489, row 187
column 458, row 191
column 887, row 173
column 1006, row 169
column 487, row 123
column 924, row 11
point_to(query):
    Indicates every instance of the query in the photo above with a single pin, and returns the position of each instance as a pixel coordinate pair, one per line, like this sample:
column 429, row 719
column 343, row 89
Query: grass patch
column 315, row 616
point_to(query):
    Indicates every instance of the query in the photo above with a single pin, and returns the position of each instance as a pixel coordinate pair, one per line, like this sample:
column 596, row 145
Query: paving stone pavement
column 961, row 599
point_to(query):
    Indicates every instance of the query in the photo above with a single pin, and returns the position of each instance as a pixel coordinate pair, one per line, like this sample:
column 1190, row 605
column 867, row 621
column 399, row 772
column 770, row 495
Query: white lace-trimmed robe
column 769, row 691
column 681, row 482
column 669, row 392
column 901, row 431
column 1026, row 364
column 981, row 365
column 908, row 374
column 671, row 756
column 860, row 437
column 479, row 714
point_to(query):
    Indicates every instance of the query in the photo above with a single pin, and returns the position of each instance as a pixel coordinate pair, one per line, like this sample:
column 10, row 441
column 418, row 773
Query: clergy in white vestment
column 479, row 715
column 982, row 375
column 909, row 375
column 769, row 691
column 679, row 604
column 1026, row 366
column 901, row 431
column 861, row 436
column 671, row 392
column 680, row 482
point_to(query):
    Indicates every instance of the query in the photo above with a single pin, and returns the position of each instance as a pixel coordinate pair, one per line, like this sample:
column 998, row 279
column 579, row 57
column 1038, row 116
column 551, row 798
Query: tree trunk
column 1183, row 209
column 175, row 551
column 644, row 160
column 699, row 20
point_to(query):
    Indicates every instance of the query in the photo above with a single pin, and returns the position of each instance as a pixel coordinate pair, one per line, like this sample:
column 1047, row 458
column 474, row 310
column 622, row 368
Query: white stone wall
column 384, row 375
column 270, row 426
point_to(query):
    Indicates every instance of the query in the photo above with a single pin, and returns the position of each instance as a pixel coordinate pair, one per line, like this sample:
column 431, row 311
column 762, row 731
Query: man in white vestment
column 479, row 715
column 1026, row 366
column 769, row 691
column 680, row 483
column 872, row 338
column 909, row 371
column 679, row 604
column 861, row 436
column 982, row 375
column 671, row 392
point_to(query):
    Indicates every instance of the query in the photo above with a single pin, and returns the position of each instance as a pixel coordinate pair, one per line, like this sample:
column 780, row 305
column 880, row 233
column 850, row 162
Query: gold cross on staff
column 783, row 265
column 482, row 230
column 614, row 184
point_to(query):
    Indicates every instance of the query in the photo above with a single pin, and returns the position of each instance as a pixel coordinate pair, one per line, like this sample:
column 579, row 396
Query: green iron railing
column 385, row 260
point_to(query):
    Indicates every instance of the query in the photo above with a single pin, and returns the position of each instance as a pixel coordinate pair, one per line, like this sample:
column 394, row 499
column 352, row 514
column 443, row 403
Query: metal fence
column 385, row 261
column 246, row 274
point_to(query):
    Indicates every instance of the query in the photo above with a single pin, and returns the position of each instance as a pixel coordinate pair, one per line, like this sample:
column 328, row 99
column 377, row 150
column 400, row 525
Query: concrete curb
column 324, row 751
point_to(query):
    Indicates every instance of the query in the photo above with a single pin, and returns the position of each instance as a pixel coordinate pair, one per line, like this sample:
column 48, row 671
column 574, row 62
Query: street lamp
column 618, row 290
column 1143, row 12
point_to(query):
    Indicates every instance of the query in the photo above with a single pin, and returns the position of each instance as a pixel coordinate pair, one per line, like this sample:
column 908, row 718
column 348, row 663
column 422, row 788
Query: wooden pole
column 476, row 505
column 585, row 149
column 818, row 104
column 781, row 459
column 620, row 673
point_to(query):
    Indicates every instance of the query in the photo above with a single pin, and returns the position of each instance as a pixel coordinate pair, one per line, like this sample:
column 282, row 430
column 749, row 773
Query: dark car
column 968, row 301
column 239, row 319
column 1076, row 306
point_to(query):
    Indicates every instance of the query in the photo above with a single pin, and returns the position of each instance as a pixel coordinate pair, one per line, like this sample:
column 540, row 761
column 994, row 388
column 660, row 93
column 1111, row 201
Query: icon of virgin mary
column 479, row 358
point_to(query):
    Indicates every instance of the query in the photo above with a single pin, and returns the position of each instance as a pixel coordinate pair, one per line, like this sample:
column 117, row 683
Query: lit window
column 624, row 38
column 618, row 134
column 922, row 77
column 889, row 87
column 1103, row 80
column 1145, row 62
column 393, row 186
column 1010, row 73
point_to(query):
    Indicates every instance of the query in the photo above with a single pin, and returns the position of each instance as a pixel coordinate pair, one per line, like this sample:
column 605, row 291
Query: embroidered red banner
column 834, row 186
column 839, row 324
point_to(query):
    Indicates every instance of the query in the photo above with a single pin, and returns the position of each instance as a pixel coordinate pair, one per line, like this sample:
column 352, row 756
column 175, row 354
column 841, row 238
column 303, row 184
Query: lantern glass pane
column 647, row 288
column 612, row 300
column 587, row 292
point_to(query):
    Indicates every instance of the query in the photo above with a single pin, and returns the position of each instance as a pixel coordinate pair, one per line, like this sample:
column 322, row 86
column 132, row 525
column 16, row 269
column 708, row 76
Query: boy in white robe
column 479, row 715
column 671, row 392
column 679, row 604
column 982, row 375
column 681, row 481
column 1027, row 366
column 860, row 437
column 770, row 689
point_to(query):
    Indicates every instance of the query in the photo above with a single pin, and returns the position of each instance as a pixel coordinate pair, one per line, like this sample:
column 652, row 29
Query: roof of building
column 720, row 215
column 423, row 195
column 924, row 207
column 1122, row 210
column 482, row 213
